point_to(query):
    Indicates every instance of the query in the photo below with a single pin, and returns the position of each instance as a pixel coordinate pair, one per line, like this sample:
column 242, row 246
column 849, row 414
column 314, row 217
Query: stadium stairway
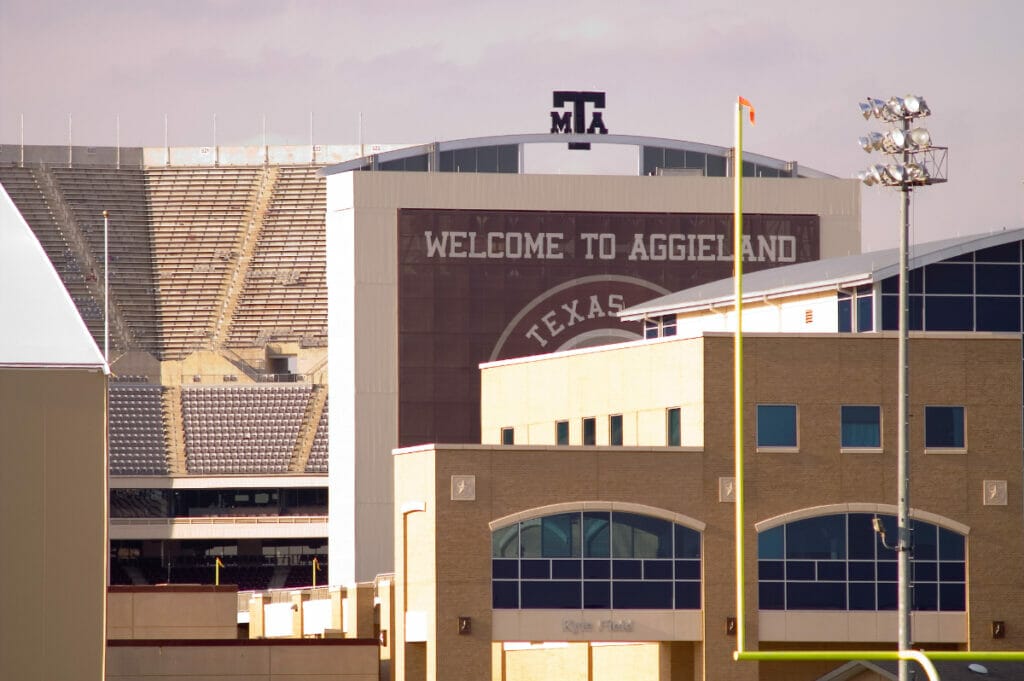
column 175, row 431
column 310, row 421
column 250, row 237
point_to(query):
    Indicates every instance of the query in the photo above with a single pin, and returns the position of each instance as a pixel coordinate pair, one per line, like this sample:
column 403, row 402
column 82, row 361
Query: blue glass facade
column 838, row 562
column 977, row 291
column 596, row 560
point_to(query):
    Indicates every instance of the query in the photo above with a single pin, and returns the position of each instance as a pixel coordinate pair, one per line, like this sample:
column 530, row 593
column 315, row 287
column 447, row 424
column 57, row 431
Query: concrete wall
column 362, row 274
column 301, row 660
column 53, row 521
column 172, row 612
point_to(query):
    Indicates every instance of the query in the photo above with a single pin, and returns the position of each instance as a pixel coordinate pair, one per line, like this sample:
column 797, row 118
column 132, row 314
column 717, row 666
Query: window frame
column 558, row 436
column 855, row 448
column 669, row 411
column 510, row 431
column 784, row 448
column 960, row 448
column 590, row 421
column 611, row 430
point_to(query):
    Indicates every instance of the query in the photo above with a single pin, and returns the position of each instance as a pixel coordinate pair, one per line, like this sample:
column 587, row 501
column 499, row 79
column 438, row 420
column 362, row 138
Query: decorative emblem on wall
column 463, row 488
column 995, row 493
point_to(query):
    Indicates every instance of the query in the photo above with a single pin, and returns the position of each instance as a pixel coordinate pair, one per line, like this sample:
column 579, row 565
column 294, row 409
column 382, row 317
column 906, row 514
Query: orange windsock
column 746, row 103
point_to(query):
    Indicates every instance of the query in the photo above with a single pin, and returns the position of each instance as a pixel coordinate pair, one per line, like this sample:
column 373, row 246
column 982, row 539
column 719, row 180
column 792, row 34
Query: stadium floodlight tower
column 914, row 163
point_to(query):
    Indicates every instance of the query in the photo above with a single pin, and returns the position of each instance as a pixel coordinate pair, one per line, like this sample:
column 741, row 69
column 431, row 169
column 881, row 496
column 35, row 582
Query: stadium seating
column 87, row 192
column 137, row 432
column 242, row 429
column 199, row 217
column 284, row 296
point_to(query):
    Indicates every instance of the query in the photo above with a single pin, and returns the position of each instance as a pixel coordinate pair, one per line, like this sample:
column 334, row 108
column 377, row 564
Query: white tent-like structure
column 40, row 322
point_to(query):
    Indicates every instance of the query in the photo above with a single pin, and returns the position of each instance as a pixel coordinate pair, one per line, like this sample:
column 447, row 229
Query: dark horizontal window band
column 837, row 562
column 596, row 560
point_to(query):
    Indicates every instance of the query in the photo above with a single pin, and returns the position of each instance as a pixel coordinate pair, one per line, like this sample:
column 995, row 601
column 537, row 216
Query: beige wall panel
column 638, row 380
column 52, row 506
column 637, row 662
column 252, row 662
column 543, row 664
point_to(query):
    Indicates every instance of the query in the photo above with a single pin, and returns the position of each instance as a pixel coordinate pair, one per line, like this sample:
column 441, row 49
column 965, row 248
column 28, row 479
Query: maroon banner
column 476, row 286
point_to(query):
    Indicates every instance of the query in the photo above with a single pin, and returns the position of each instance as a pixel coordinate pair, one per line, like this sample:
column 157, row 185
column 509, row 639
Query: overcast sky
column 446, row 69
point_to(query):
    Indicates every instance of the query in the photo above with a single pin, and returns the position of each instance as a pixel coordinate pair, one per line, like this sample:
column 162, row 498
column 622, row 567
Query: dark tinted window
column 615, row 429
column 776, row 425
column 944, row 427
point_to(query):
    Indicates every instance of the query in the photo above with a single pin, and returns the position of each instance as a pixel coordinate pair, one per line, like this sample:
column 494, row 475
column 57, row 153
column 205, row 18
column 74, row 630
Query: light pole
column 915, row 163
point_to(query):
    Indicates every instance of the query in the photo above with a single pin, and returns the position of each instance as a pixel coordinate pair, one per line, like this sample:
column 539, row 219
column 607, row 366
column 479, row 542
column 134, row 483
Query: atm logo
column 575, row 121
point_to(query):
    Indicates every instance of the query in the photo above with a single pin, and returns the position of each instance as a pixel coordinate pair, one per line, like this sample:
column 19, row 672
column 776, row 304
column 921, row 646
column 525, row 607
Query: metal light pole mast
column 919, row 164
column 903, row 544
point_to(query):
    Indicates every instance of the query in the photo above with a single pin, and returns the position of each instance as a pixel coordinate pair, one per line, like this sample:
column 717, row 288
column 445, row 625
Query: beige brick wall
column 819, row 373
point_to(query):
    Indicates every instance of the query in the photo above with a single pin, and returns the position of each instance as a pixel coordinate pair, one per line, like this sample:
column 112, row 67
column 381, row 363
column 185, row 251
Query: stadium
column 219, row 266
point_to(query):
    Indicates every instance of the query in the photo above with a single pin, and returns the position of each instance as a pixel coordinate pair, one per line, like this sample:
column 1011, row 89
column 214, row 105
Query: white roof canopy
column 41, row 326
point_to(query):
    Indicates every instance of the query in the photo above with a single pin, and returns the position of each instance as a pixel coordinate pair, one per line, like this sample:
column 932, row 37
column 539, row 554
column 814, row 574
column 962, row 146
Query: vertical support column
column 256, row 616
column 298, row 599
column 904, row 544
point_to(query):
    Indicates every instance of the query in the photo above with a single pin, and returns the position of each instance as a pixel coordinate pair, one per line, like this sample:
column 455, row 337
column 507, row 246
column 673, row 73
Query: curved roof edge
column 817, row 275
column 555, row 138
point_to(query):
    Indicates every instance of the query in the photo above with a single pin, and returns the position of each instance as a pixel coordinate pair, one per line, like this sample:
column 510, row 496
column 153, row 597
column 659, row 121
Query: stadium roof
column 640, row 141
column 817, row 275
column 42, row 328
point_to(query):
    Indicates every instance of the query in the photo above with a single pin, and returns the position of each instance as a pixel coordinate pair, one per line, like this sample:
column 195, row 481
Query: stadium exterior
column 219, row 274
column 463, row 259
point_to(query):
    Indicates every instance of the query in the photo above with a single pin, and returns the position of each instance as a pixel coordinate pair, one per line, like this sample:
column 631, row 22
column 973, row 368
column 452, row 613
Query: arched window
column 597, row 560
column 838, row 562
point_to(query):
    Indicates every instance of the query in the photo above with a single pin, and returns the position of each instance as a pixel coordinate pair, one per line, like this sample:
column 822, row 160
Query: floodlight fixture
column 872, row 142
column 920, row 138
column 872, row 107
column 895, row 174
column 895, row 108
column 873, row 175
column 917, row 173
column 915, row 106
column 894, row 142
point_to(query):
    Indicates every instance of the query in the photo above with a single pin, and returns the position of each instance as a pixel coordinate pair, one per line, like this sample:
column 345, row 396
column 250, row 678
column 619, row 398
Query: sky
column 415, row 71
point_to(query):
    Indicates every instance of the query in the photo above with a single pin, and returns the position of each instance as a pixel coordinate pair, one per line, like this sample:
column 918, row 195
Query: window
column 944, row 427
column 861, row 427
column 657, row 327
column 596, row 560
column 837, row 562
column 672, row 434
column 776, row 425
column 561, row 432
column 590, row 431
column 615, row 429
column 508, row 436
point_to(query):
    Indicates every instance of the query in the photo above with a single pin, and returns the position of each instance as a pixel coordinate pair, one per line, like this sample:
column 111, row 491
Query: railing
column 316, row 593
column 224, row 520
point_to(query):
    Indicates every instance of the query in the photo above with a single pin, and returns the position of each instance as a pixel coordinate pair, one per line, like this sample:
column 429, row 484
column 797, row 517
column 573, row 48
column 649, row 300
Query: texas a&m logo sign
column 575, row 121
